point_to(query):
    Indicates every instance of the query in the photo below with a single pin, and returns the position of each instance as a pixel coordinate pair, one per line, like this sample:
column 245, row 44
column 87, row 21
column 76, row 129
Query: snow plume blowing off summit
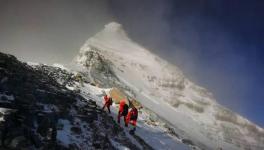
column 112, row 59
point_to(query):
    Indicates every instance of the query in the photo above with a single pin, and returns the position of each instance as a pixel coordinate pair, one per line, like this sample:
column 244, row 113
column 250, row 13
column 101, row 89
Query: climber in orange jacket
column 123, row 110
column 107, row 102
column 132, row 119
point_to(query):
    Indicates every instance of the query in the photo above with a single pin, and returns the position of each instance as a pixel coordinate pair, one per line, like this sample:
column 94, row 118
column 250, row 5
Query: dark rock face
column 37, row 103
column 76, row 130
column 30, row 89
column 61, row 76
column 100, row 70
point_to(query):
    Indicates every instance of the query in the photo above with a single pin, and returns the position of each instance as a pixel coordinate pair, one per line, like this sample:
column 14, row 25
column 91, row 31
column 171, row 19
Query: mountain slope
column 111, row 59
column 37, row 112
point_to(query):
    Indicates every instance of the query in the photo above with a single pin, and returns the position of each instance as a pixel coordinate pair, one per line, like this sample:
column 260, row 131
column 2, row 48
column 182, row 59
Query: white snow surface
column 60, row 66
column 67, row 137
column 4, row 111
column 159, row 85
column 33, row 63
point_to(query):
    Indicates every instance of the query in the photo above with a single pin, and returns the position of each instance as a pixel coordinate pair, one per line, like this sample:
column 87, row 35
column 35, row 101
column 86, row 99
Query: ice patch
column 64, row 135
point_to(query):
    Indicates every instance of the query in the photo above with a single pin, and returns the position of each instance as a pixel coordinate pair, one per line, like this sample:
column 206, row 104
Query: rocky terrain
column 37, row 112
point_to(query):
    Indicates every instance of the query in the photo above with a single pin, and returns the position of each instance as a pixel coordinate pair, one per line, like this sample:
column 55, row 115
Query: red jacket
column 132, row 116
column 107, row 100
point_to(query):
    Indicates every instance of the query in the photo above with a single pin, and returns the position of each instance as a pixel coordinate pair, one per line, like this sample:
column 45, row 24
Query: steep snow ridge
column 155, row 81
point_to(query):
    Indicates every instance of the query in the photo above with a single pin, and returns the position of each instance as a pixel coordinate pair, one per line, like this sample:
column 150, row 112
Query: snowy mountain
column 112, row 59
column 58, row 107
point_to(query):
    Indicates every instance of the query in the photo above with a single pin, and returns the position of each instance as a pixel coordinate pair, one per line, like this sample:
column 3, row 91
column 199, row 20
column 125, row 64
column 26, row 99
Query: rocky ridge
column 39, row 113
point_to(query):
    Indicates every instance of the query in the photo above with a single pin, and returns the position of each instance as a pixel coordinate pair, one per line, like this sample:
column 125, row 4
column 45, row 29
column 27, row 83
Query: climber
column 123, row 110
column 132, row 119
column 107, row 102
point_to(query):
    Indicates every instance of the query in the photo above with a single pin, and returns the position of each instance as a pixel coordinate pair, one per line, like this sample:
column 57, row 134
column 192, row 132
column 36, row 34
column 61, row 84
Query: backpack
column 125, row 110
column 134, row 115
column 110, row 101
column 105, row 98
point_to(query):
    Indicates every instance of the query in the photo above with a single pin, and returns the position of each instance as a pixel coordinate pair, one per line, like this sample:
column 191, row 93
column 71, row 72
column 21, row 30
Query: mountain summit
column 113, row 37
column 112, row 59
column 115, row 30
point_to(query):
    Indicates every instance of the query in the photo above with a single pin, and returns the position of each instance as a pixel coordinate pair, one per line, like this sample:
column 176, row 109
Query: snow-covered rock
column 37, row 111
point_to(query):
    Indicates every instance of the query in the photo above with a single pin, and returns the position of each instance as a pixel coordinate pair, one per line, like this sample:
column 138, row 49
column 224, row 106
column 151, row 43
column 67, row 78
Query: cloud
column 49, row 31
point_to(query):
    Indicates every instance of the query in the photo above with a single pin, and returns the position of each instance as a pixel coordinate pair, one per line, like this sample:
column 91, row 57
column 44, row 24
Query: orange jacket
column 121, row 105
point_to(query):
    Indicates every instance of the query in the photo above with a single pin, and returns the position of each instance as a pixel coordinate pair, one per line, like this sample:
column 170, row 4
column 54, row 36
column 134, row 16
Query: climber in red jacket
column 123, row 110
column 107, row 102
column 132, row 119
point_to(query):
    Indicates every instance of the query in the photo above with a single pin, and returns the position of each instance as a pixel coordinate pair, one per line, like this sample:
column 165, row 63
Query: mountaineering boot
column 132, row 131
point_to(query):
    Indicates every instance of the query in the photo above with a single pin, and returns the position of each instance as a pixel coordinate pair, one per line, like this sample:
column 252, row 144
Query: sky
column 218, row 44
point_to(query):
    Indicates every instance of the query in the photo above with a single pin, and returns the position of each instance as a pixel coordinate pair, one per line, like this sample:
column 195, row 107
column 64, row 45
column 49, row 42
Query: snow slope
column 155, row 135
column 150, row 132
column 163, row 88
